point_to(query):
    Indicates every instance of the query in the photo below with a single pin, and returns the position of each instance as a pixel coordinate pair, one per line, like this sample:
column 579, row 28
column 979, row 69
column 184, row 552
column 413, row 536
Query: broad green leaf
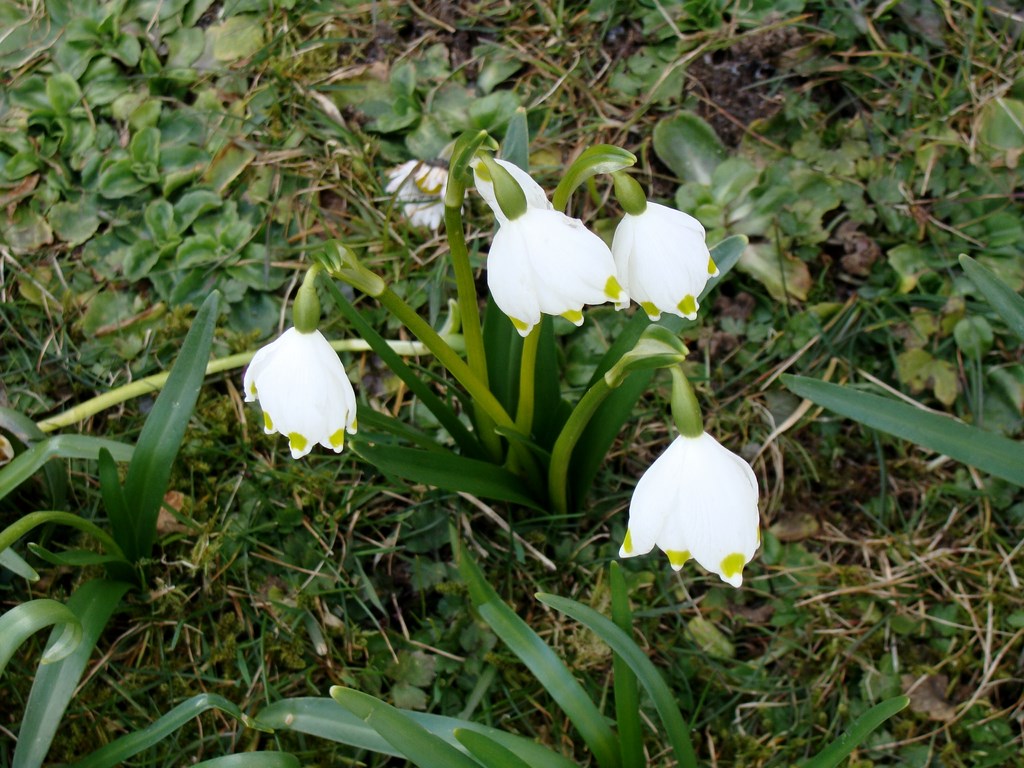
column 93, row 603
column 1001, row 124
column 63, row 92
column 689, row 146
column 446, row 470
column 25, row 231
column 237, row 37
column 786, row 277
column 144, row 148
column 677, row 730
column 402, row 732
column 121, row 749
column 861, row 728
column 227, row 166
column 74, row 223
column 489, row 752
column 542, row 662
column 515, row 147
column 161, row 436
column 601, row 158
column 252, row 760
column 326, row 719
column 117, row 180
column 987, row 451
column 1004, row 300
column 27, row 463
column 24, row 620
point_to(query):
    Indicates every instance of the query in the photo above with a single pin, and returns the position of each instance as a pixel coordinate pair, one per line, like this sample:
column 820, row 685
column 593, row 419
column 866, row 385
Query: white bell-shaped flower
column 419, row 191
column 697, row 500
column 545, row 262
column 303, row 390
column 662, row 260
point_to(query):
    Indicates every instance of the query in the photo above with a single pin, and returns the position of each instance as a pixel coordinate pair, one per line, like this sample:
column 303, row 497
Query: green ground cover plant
column 172, row 173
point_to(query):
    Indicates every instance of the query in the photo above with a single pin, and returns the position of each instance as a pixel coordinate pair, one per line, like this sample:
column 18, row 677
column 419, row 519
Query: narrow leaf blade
column 647, row 674
column 161, row 436
column 24, row 620
column 987, row 451
column 861, row 728
column 1006, row 303
column 543, row 663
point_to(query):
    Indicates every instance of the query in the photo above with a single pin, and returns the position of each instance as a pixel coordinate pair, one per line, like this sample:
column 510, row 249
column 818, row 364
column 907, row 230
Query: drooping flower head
column 419, row 191
column 697, row 500
column 660, row 254
column 303, row 390
column 300, row 382
column 542, row 261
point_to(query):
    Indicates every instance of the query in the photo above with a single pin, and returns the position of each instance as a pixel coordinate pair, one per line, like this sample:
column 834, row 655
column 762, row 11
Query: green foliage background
column 151, row 152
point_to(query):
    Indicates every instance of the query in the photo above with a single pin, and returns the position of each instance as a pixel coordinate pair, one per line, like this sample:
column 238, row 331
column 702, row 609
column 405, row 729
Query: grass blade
column 161, row 436
column 411, row 739
column 54, row 685
column 987, row 451
column 24, row 620
column 125, row 747
column 1003, row 299
column 677, row 729
column 861, row 728
column 543, row 663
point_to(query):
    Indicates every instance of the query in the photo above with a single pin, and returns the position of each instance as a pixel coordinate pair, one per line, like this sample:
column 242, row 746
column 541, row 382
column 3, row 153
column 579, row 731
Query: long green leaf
column 33, row 520
column 861, row 728
column 252, row 760
column 624, row 684
column 647, row 674
column 1004, row 300
column 488, row 752
column 27, row 431
column 326, row 719
column 14, row 562
column 161, row 436
column 441, row 410
column 987, row 451
column 32, row 459
column 93, row 603
column 116, row 752
column 24, row 620
column 120, row 517
column 403, row 733
column 445, row 470
column 545, row 665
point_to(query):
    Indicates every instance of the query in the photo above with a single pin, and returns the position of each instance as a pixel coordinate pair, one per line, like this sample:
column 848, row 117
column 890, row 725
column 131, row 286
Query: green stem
column 155, row 383
column 561, row 453
column 469, row 310
column 456, row 366
column 627, row 690
column 527, row 381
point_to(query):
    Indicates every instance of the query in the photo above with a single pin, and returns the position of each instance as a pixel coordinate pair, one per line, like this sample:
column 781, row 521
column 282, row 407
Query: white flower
column 545, row 262
column 419, row 190
column 303, row 391
column 697, row 500
column 662, row 260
